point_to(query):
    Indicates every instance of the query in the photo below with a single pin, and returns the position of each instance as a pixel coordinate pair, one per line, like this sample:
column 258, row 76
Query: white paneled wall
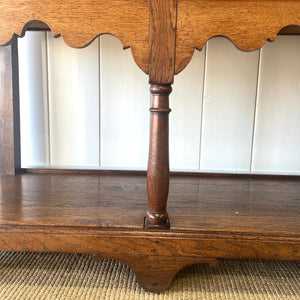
column 232, row 111
column 34, row 100
column 185, row 118
column 277, row 126
column 125, row 104
column 228, row 107
column 73, row 84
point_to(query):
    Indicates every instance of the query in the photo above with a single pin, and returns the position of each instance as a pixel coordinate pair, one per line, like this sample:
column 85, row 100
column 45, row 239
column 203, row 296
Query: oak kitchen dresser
column 109, row 213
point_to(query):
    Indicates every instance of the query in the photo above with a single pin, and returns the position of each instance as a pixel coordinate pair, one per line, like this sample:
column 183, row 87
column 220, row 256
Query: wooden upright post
column 9, row 110
column 161, row 75
column 158, row 163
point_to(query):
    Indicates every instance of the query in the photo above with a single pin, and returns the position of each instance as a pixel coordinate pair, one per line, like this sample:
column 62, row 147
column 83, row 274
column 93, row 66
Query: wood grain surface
column 249, row 24
column 162, row 41
column 80, row 21
column 210, row 218
column 158, row 160
column 266, row 206
column 7, row 165
column 150, row 29
column 40, row 26
column 160, row 269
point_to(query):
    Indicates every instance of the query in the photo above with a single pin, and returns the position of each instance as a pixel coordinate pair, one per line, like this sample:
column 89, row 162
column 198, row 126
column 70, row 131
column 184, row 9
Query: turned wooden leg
column 158, row 163
column 155, row 273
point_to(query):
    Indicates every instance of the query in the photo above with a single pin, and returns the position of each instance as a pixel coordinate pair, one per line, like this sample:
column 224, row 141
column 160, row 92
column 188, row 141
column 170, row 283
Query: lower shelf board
column 196, row 204
column 104, row 214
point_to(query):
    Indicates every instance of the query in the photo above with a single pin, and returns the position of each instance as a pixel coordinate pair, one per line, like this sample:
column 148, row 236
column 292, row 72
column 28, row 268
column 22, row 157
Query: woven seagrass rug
column 77, row 276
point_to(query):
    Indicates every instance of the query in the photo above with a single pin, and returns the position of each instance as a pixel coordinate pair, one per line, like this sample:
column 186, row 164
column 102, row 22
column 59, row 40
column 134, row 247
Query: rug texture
column 76, row 276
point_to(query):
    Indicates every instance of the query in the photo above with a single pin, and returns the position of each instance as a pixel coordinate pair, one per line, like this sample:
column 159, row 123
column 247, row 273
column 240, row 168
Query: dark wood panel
column 290, row 30
column 10, row 154
column 6, row 112
column 195, row 204
column 37, row 26
column 16, row 105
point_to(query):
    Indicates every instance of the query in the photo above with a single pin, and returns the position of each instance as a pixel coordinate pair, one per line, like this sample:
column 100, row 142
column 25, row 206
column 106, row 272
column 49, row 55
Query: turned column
column 162, row 36
column 158, row 161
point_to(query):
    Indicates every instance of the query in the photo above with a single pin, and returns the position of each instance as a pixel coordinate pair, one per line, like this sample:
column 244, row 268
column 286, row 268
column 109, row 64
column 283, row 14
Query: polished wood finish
column 227, row 218
column 212, row 217
column 196, row 204
column 158, row 161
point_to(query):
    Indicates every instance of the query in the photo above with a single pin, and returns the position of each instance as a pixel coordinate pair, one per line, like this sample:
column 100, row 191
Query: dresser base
column 211, row 218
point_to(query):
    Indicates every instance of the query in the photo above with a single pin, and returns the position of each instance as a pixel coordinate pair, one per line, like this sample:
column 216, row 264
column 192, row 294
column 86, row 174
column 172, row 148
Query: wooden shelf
column 197, row 204
column 211, row 217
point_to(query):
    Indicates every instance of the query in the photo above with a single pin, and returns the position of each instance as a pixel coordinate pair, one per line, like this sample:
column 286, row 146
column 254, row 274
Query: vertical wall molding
column 203, row 93
column 33, row 99
column 124, row 108
column 16, row 105
column 48, row 106
column 228, row 107
column 185, row 118
column 74, row 104
column 277, row 135
column 100, row 92
column 255, row 109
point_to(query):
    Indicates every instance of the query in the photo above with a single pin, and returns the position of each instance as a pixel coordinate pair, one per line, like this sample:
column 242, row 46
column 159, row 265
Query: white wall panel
column 228, row 108
column 74, row 104
column 222, row 139
column 185, row 118
column 125, row 102
column 33, row 99
column 277, row 134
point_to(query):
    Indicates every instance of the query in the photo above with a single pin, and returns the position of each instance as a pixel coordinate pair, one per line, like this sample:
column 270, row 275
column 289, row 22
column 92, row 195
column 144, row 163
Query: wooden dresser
column 123, row 215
